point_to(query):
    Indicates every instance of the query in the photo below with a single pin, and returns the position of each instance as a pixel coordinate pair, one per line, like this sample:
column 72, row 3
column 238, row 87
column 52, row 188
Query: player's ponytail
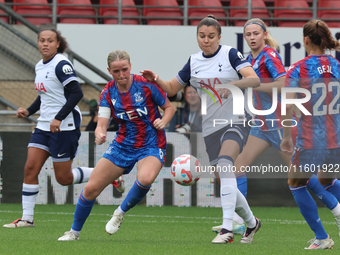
column 63, row 45
column 320, row 35
column 208, row 21
column 270, row 41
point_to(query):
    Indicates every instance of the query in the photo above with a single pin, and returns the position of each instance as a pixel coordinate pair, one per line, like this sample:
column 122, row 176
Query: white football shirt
column 220, row 68
column 51, row 78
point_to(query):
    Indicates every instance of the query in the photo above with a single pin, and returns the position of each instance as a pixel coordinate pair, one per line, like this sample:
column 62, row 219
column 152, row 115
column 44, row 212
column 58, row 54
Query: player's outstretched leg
column 238, row 223
column 253, row 223
column 81, row 213
column 29, row 194
column 228, row 199
column 135, row 195
column 326, row 197
column 309, row 211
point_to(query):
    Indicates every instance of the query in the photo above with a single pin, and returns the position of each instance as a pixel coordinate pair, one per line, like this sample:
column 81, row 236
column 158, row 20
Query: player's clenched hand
column 224, row 93
column 55, row 126
column 22, row 113
column 100, row 138
column 287, row 146
column 149, row 75
column 158, row 124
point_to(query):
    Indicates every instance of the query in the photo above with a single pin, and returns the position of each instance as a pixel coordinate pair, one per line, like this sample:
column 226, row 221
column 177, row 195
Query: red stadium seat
column 329, row 14
column 73, row 10
column 203, row 12
column 291, row 13
column 33, row 10
column 113, row 11
column 2, row 12
column 162, row 12
column 256, row 13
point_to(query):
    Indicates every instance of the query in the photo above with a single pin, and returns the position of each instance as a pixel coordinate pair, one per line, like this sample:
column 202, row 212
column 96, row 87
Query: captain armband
column 104, row 112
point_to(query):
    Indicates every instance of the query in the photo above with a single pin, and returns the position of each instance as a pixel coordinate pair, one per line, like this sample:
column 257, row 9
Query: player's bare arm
column 100, row 132
column 250, row 78
column 268, row 87
column 169, row 112
column 287, row 144
column 170, row 87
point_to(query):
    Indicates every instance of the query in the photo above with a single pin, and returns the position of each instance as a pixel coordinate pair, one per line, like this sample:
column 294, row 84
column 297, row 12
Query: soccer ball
column 185, row 170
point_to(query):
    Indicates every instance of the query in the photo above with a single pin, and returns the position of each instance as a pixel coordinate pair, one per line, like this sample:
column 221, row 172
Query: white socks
column 243, row 209
column 30, row 191
column 120, row 211
column 238, row 219
column 29, row 194
column 336, row 210
column 228, row 191
column 81, row 174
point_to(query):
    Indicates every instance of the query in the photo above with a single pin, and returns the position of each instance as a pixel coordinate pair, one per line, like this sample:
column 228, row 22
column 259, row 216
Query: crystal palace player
column 318, row 141
column 57, row 132
column 222, row 64
column 133, row 102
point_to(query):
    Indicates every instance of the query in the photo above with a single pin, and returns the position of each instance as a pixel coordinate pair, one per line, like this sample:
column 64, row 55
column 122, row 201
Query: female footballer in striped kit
column 318, row 141
column 133, row 102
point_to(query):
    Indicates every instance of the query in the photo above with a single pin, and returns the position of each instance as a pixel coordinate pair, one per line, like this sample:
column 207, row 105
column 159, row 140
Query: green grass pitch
column 158, row 230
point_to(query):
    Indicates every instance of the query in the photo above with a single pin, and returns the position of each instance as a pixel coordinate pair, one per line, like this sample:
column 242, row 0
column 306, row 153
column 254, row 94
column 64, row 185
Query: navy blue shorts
column 127, row 157
column 62, row 146
column 213, row 142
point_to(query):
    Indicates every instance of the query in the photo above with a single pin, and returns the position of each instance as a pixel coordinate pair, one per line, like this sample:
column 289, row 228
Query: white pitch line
column 161, row 218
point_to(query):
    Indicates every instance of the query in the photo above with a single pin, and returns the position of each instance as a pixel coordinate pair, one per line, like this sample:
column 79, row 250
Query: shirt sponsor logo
column 239, row 54
column 67, row 69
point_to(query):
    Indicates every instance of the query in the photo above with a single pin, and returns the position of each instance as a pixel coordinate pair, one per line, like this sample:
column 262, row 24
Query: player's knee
column 146, row 180
column 30, row 170
column 90, row 192
column 31, row 174
column 325, row 181
column 295, row 182
column 64, row 180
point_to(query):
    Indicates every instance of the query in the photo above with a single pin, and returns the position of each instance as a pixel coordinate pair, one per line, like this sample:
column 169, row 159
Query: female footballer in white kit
column 219, row 64
column 57, row 132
